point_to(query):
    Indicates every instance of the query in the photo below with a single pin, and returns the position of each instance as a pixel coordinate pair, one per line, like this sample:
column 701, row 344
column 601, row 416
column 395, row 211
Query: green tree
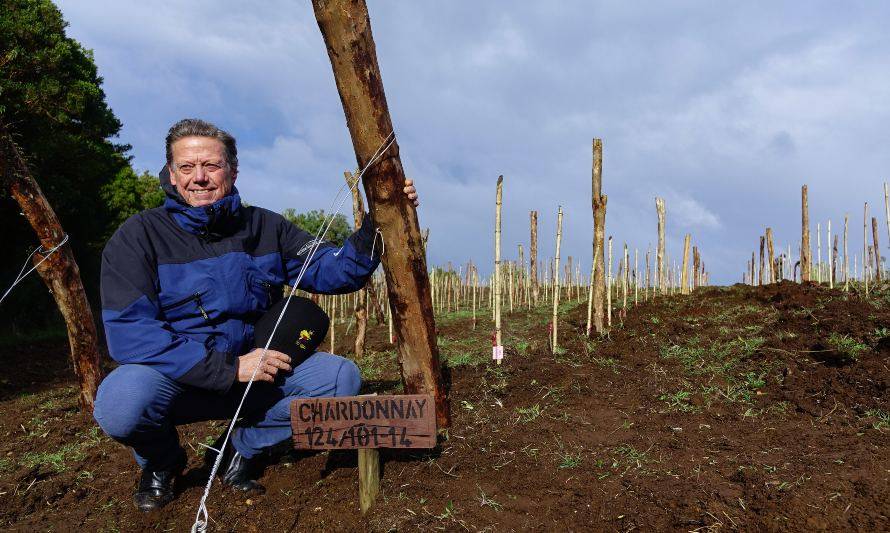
column 129, row 193
column 53, row 106
column 311, row 221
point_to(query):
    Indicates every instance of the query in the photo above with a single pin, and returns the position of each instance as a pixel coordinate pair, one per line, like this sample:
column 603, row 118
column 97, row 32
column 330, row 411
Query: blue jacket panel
column 182, row 286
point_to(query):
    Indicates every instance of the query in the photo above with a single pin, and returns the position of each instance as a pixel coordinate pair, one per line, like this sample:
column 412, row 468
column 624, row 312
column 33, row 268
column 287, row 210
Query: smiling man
column 184, row 287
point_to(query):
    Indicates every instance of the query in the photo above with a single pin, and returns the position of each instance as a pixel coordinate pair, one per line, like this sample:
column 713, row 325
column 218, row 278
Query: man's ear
column 172, row 175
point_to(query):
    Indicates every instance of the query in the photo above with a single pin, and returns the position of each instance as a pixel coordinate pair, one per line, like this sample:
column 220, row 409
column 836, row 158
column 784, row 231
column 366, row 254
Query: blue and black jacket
column 182, row 286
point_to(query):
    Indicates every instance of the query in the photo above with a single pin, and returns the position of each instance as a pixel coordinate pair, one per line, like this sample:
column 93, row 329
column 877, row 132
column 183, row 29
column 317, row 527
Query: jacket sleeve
column 332, row 270
column 134, row 326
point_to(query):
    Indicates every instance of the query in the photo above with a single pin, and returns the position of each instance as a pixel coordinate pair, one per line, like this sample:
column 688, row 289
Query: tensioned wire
column 202, row 517
column 21, row 276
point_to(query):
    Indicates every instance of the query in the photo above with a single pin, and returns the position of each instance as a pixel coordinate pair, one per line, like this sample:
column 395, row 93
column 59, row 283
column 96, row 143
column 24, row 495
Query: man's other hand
column 411, row 192
column 274, row 362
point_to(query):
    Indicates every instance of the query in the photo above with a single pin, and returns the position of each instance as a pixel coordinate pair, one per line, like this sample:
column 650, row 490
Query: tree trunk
column 60, row 271
column 346, row 29
column 805, row 236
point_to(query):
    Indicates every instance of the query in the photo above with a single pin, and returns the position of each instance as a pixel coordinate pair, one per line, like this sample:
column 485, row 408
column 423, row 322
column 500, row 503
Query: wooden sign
column 350, row 422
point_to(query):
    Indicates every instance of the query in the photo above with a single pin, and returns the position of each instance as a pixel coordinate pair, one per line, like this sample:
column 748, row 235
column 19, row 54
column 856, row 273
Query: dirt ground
column 737, row 408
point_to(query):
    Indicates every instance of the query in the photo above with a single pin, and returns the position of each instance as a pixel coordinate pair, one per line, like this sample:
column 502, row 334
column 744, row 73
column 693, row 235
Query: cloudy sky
column 723, row 109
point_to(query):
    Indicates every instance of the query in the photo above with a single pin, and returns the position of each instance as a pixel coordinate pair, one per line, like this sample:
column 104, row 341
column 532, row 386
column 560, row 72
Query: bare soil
column 735, row 408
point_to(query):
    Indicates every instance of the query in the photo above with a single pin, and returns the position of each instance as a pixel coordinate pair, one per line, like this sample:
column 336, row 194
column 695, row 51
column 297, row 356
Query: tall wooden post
column 533, row 254
column 498, row 282
column 599, row 203
column 660, row 274
column 874, row 234
column 846, row 256
column 684, row 277
column 865, row 262
column 346, row 29
column 805, row 236
column 59, row 271
column 556, row 275
column 770, row 251
column 361, row 310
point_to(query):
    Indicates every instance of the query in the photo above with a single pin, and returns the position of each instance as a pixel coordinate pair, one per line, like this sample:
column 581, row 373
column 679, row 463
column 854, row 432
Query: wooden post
column 497, row 268
column 828, row 254
column 846, row 257
column 346, row 29
column 533, row 253
column 865, row 262
column 887, row 210
column 771, row 275
column 556, row 275
column 684, row 278
column 660, row 274
column 874, row 234
column 760, row 270
column 59, row 271
column 805, row 236
column 361, row 310
column 609, row 286
column 368, row 477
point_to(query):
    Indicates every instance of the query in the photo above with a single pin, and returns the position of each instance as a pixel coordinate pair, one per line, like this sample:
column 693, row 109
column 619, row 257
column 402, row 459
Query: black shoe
column 236, row 471
column 156, row 487
column 241, row 474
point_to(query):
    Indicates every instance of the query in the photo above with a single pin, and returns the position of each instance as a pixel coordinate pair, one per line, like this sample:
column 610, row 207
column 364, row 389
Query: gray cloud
column 722, row 109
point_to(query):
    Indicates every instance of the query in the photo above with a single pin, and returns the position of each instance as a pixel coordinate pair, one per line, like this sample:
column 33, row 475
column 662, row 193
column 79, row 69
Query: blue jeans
column 140, row 407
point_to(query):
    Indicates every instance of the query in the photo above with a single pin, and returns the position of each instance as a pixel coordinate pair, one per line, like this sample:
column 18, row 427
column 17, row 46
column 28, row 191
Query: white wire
column 21, row 276
column 201, row 517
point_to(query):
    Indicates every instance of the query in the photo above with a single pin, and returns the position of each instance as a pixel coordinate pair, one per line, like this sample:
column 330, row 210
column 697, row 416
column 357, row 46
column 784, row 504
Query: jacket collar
column 214, row 221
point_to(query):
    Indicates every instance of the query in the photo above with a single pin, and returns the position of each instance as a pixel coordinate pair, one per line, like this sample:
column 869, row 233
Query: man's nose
column 200, row 174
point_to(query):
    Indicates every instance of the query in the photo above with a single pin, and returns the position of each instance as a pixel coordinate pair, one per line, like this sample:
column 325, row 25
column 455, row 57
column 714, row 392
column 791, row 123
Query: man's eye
column 212, row 168
column 186, row 168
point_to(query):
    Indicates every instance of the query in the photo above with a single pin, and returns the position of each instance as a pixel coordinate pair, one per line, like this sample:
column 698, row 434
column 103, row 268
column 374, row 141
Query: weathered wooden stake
column 556, row 274
column 874, row 234
column 609, row 287
column 771, row 276
column 497, row 267
column 368, row 477
column 660, row 274
column 346, row 29
column 805, row 236
column 533, row 254
column 684, row 278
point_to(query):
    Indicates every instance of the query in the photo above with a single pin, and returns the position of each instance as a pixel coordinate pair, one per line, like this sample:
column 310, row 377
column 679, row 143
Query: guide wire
column 202, row 517
column 21, row 276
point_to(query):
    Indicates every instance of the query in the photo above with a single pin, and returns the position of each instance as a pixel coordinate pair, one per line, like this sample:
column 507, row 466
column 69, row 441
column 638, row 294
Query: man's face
column 200, row 171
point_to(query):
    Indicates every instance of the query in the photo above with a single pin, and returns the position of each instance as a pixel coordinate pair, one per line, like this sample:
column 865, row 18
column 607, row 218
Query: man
column 182, row 288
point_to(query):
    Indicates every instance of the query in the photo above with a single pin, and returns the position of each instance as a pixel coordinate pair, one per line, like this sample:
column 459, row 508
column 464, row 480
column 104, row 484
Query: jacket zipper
column 193, row 298
column 268, row 286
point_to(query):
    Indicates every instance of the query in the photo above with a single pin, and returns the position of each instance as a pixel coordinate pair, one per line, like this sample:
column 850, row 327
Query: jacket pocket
column 179, row 306
column 264, row 292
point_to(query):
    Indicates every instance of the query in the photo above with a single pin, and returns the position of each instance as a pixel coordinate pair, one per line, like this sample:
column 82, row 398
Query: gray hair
column 195, row 127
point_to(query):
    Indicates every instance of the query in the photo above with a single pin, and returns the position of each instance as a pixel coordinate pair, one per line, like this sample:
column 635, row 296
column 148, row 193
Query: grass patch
column 846, row 346
column 528, row 414
column 678, row 401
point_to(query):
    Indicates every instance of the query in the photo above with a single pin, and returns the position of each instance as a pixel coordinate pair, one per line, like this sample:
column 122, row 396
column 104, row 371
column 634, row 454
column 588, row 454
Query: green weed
column 848, row 347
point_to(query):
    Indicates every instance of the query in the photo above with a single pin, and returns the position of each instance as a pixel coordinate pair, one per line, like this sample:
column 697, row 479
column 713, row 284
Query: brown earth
column 736, row 408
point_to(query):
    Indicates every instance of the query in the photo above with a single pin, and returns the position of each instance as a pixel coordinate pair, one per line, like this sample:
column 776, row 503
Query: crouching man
column 183, row 286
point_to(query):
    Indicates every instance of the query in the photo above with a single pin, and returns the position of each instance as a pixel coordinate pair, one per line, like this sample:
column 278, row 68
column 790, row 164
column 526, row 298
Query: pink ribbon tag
column 497, row 353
